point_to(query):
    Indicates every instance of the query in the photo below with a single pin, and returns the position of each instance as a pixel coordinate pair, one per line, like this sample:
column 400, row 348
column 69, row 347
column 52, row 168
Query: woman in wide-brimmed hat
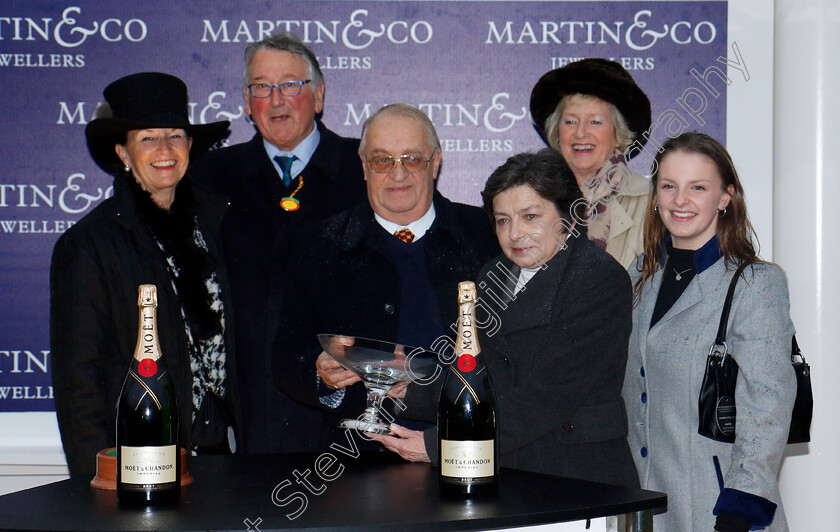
column 592, row 111
column 158, row 228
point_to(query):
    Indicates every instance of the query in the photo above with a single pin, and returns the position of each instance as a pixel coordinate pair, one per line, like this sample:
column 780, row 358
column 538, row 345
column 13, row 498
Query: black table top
column 377, row 491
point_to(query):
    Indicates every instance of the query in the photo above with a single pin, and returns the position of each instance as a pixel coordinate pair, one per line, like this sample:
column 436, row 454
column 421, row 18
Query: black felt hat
column 144, row 101
column 598, row 77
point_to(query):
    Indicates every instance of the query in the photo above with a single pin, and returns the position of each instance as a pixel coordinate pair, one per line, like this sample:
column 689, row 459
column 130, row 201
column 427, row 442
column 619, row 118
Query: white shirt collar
column 525, row 275
column 302, row 151
column 418, row 227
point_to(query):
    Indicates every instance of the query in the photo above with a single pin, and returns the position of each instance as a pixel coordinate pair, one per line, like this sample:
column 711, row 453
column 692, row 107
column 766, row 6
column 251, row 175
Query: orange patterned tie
column 405, row 235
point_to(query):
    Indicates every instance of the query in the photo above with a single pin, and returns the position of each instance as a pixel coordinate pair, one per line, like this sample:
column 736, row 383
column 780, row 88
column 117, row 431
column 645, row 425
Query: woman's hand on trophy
column 398, row 390
column 407, row 443
column 334, row 374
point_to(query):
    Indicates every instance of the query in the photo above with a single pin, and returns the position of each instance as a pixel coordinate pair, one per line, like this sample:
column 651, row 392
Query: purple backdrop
column 469, row 65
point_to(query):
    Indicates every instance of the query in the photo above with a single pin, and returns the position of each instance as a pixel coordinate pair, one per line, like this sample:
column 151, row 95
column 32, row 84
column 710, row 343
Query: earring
column 721, row 213
column 127, row 169
column 655, row 207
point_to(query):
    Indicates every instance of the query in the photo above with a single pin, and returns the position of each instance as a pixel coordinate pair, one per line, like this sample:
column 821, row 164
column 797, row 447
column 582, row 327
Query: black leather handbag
column 717, row 392
column 803, row 408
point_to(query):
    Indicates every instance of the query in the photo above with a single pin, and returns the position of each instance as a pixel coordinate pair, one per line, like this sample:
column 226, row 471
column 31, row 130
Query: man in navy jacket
column 387, row 269
column 293, row 173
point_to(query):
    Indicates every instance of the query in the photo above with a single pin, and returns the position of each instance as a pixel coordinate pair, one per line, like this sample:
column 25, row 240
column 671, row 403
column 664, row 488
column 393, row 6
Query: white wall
column 749, row 110
column 30, row 451
column 806, row 195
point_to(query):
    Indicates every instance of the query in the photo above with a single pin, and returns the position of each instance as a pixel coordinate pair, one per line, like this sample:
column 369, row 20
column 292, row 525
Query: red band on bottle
column 466, row 363
column 147, row 367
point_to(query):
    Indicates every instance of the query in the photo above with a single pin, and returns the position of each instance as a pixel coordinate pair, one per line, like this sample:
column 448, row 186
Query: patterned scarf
column 193, row 276
column 599, row 190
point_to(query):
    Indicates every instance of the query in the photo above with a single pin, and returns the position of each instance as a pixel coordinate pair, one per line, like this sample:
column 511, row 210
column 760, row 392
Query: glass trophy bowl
column 380, row 365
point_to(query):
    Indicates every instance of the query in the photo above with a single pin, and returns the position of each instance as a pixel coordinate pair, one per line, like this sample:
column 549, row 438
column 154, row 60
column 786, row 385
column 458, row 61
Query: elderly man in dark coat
column 293, row 173
column 387, row 269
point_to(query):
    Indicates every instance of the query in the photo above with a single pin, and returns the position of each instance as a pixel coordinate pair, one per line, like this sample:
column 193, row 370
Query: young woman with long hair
column 697, row 233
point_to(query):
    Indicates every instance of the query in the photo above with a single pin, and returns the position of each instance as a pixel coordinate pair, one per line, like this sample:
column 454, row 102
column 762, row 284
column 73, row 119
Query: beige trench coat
column 627, row 220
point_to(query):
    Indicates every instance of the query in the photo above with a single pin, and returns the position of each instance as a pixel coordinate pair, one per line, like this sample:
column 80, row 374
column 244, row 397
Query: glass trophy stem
column 374, row 403
column 369, row 420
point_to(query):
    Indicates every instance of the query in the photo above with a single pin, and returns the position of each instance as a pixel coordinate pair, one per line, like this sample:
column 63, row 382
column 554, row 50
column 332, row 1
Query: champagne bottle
column 468, row 436
column 148, row 461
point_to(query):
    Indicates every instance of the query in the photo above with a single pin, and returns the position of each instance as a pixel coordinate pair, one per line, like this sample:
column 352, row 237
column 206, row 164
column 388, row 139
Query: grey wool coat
column 665, row 368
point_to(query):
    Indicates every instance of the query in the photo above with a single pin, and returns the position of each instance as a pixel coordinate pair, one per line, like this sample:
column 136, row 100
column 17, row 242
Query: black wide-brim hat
column 146, row 100
column 598, row 77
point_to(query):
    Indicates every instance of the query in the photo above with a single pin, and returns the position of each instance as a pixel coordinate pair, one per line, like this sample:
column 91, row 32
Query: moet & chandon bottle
column 148, row 462
column 468, row 436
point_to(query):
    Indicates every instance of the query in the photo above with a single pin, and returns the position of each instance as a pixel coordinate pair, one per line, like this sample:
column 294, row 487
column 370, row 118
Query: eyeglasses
column 287, row 88
column 412, row 162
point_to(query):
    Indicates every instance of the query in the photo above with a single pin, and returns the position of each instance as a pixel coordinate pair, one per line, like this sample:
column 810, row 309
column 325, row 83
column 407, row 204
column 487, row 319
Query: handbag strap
column 796, row 353
column 724, row 314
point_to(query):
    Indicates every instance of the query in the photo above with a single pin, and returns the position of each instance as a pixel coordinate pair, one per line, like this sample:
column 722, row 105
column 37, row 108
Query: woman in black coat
column 558, row 349
column 158, row 228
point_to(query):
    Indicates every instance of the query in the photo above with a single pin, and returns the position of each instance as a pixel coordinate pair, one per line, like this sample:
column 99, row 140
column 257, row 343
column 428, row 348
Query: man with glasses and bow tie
column 291, row 174
column 387, row 269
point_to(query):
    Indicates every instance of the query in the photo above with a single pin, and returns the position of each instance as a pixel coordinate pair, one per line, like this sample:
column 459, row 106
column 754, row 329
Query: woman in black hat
column 158, row 228
column 592, row 111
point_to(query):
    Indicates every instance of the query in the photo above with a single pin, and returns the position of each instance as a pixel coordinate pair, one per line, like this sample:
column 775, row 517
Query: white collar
column 525, row 275
column 418, row 227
